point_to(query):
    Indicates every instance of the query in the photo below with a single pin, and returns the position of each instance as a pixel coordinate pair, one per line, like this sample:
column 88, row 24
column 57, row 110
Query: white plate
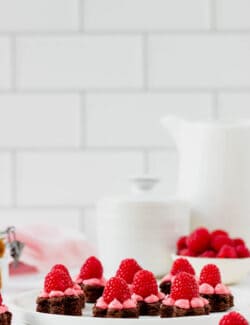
column 23, row 307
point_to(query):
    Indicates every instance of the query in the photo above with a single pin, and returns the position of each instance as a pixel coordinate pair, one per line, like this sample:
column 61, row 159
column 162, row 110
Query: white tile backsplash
column 199, row 61
column 149, row 15
column 84, row 84
column 74, row 62
column 41, row 15
column 35, row 120
column 133, row 120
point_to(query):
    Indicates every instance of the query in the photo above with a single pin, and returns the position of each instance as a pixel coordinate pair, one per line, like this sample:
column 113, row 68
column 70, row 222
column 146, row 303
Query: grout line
column 83, row 121
column 213, row 15
column 81, row 15
column 14, row 178
column 145, row 161
column 215, row 107
column 145, row 61
column 13, row 59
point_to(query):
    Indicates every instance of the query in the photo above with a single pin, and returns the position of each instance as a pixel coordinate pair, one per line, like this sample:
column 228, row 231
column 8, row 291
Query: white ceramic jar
column 141, row 226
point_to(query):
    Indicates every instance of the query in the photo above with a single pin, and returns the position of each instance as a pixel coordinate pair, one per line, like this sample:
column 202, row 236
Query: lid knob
column 142, row 184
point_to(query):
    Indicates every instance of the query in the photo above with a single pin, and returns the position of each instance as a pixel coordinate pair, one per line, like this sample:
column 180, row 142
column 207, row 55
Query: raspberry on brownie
column 127, row 270
column 179, row 265
column 5, row 315
column 233, row 318
column 184, row 298
column 211, row 288
column 116, row 301
column 145, row 292
column 60, row 295
column 91, row 279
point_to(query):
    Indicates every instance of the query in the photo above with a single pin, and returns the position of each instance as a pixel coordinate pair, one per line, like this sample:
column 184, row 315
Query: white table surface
column 18, row 285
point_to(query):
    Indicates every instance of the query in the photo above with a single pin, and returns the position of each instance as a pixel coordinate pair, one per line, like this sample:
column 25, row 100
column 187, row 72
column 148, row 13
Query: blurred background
column 84, row 84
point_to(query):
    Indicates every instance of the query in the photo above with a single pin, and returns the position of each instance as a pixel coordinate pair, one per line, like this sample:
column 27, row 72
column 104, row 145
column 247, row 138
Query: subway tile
column 53, row 217
column 234, row 106
column 41, row 15
column 73, row 179
column 233, row 14
column 146, row 15
column 5, row 63
column 79, row 62
column 115, row 120
column 32, row 120
column 212, row 61
column 164, row 165
column 6, row 179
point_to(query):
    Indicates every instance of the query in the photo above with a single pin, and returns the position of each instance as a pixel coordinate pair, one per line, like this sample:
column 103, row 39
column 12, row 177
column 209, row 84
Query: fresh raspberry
column 239, row 241
column 186, row 252
column 182, row 265
column 145, row 284
column 199, row 241
column 57, row 281
column 210, row 274
column 116, row 288
column 181, row 243
column 184, row 286
column 127, row 269
column 219, row 241
column 242, row 251
column 227, row 251
column 210, row 253
column 92, row 268
column 60, row 267
column 233, row 318
column 218, row 232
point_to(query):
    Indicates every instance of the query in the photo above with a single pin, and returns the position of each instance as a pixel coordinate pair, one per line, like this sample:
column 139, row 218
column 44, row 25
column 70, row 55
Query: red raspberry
column 209, row 254
column 199, row 241
column 92, row 268
column 186, row 252
column 181, row 243
column 227, row 251
column 127, row 269
column 219, row 241
column 145, row 284
column 184, row 286
column 238, row 241
column 242, row 251
column 60, row 267
column 116, row 288
column 218, row 232
column 233, row 318
column 210, row 274
column 57, row 281
column 182, row 265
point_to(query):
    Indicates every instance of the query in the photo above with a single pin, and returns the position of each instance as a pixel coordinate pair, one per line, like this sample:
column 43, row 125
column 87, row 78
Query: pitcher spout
column 173, row 124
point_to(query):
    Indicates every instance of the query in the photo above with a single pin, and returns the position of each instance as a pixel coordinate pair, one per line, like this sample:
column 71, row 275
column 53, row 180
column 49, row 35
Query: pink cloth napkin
column 48, row 245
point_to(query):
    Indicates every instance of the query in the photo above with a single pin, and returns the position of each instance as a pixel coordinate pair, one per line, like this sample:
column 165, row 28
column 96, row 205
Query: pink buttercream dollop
column 3, row 309
column 130, row 303
column 161, row 295
column 95, row 282
column 206, row 302
column 206, row 289
column 168, row 301
column 101, row 303
column 115, row 304
column 56, row 294
column 221, row 289
column 44, row 294
column 136, row 297
column 197, row 303
column 151, row 299
column 182, row 303
column 167, row 278
column 70, row 292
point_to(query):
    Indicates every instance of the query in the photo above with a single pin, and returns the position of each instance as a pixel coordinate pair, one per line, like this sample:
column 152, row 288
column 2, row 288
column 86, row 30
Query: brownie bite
column 91, row 279
column 211, row 288
column 184, row 298
column 60, row 295
column 5, row 314
column 116, row 301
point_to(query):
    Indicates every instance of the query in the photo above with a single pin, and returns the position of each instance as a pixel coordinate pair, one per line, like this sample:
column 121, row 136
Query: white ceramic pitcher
column 214, row 172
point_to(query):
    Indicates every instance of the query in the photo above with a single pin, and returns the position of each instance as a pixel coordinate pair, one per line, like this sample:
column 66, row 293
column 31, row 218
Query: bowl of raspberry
column 230, row 254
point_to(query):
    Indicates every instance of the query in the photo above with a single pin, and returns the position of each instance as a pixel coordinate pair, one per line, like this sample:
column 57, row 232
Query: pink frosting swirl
column 115, row 304
column 101, row 303
column 151, row 299
column 206, row 289
column 182, row 303
column 136, row 297
column 197, row 303
column 44, row 294
column 3, row 309
column 161, row 295
column 167, row 278
column 168, row 301
column 56, row 294
column 222, row 289
column 95, row 282
column 70, row 292
column 130, row 303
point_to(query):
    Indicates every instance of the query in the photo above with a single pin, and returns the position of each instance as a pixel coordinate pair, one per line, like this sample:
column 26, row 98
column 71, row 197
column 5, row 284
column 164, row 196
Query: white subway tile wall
column 85, row 83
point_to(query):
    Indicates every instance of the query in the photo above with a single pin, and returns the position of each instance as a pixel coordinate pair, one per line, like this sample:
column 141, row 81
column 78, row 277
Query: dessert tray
column 23, row 307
